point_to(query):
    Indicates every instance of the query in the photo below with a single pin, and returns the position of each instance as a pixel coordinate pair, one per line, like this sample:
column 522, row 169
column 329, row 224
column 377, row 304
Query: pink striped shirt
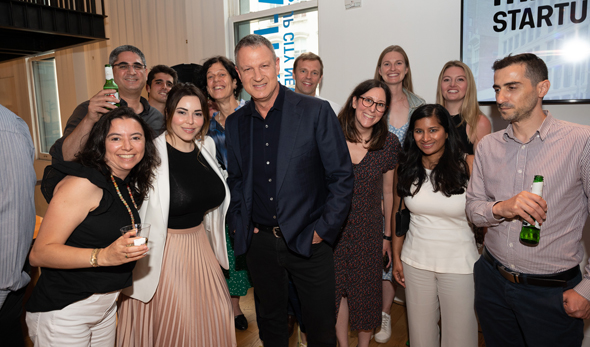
column 504, row 166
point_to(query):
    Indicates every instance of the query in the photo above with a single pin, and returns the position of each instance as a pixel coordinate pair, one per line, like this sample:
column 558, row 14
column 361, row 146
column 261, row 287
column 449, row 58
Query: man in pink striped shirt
column 530, row 296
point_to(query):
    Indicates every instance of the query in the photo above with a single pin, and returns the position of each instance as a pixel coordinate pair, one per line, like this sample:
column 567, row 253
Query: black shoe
column 241, row 322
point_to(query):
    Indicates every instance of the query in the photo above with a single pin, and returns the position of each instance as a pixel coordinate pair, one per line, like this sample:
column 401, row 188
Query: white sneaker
column 385, row 334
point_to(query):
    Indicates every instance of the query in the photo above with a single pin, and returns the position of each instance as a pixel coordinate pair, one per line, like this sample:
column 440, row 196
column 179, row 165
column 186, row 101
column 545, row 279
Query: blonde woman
column 393, row 68
column 457, row 93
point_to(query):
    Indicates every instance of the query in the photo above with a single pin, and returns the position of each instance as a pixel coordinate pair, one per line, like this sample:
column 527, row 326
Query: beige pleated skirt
column 191, row 306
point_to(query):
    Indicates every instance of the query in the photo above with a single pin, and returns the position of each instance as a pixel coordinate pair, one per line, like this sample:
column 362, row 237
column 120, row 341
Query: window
column 290, row 25
column 249, row 6
column 46, row 103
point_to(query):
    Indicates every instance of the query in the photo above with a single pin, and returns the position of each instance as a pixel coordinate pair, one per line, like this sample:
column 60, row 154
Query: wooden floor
column 399, row 328
column 249, row 338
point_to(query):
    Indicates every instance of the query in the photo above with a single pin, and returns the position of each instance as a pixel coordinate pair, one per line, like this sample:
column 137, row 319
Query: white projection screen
column 558, row 31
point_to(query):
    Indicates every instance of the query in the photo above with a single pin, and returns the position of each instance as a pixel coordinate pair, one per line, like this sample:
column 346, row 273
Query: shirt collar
column 144, row 103
column 542, row 131
column 278, row 105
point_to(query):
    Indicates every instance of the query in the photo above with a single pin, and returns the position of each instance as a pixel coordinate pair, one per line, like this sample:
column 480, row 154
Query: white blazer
column 154, row 211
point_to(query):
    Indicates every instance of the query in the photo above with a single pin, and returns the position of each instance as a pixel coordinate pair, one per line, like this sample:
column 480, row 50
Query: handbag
column 402, row 220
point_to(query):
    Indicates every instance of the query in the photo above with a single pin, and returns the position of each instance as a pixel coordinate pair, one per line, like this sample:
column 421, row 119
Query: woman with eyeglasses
column 457, row 93
column 361, row 247
column 434, row 261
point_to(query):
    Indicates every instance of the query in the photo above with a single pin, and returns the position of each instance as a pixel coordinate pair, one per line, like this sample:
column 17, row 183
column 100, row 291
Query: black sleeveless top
column 57, row 288
column 462, row 129
column 194, row 188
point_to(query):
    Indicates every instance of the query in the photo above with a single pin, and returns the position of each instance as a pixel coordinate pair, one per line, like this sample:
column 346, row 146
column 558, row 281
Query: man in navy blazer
column 291, row 181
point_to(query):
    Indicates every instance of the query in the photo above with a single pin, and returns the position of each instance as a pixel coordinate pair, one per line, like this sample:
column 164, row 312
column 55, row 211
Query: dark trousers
column 270, row 262
column 512, row 314
column 295, row 306
column 11, row 332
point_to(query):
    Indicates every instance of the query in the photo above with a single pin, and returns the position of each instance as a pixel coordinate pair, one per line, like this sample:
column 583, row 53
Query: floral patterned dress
column 358, row 252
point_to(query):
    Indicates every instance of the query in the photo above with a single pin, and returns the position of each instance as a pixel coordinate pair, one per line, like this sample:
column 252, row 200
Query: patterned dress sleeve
column 391, row 152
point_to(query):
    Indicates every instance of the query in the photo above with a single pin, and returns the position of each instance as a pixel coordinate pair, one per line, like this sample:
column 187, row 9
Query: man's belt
column 276, row 231
column 554, row 280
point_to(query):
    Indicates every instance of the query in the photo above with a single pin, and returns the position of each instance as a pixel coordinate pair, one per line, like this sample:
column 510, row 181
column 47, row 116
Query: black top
column 194, row 188
column 265, row 146
column 58, row 288
column 462, row 129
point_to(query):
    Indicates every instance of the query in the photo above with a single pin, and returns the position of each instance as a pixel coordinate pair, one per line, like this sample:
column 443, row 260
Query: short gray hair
column 125, row 48
column 254, row 40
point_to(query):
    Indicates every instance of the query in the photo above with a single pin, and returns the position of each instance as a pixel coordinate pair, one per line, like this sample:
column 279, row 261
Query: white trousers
column 433, row 296
column 84, row 323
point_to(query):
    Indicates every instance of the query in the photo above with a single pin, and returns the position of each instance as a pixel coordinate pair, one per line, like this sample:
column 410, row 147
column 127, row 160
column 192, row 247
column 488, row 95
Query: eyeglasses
column 368, row 102
column 125, row 66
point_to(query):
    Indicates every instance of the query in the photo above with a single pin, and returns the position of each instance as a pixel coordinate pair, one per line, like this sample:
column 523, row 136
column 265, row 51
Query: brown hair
column 407, row 82
column 309, row 56
column 535, row 67
column 347, row 116
column 178, row 92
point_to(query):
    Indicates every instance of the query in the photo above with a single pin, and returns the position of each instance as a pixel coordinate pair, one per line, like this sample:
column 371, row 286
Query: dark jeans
column 270, row 262
column 514, row 314
column 11, row 332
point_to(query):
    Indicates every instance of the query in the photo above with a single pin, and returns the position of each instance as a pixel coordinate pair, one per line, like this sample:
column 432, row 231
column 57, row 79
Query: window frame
column 235, row 17
column 35, row 120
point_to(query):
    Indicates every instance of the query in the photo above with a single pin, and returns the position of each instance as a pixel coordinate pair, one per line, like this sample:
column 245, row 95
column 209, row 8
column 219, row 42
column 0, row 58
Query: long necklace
column 125, row 202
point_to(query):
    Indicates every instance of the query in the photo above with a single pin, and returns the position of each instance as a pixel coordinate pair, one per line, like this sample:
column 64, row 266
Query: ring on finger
column 126, row 256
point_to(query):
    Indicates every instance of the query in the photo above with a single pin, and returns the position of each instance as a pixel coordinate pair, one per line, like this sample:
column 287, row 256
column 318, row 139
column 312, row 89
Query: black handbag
column 402, row 220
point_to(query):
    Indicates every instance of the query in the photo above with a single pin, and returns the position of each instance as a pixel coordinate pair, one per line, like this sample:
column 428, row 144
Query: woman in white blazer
column 179, row 296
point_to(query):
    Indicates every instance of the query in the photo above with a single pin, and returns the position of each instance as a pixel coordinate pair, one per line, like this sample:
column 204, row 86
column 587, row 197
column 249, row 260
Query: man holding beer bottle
column 530, row 292
column 129, row 72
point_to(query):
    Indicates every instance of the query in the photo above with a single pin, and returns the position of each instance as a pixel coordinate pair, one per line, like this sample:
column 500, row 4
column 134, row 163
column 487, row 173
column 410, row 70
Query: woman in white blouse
column 435, row 261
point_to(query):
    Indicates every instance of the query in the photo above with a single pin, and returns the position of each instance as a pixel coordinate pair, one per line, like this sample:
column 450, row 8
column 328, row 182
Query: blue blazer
column 314, row 173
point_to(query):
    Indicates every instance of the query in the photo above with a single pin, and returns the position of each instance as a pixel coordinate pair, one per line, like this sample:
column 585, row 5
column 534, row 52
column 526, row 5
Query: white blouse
column 439, row 238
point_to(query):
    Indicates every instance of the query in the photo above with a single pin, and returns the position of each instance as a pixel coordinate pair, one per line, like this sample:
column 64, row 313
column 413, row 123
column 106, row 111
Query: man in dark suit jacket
column 291, row 182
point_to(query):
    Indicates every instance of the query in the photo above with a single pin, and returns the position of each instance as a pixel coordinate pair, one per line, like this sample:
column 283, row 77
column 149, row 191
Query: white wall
column 428, row 30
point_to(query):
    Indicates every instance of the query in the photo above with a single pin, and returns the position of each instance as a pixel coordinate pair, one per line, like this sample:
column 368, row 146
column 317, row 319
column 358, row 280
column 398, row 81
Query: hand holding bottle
column 527, row 205
column 101, row 104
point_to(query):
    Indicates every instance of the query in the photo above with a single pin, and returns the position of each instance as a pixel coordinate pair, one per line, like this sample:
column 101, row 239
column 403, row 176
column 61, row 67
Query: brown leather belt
column 276, row 231
column 554, row 280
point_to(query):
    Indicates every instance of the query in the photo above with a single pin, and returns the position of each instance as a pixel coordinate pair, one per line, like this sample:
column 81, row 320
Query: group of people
column 296, row 196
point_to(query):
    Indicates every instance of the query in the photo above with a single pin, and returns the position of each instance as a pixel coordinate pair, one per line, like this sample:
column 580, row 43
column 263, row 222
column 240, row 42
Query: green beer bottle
column 110, row 83
column 530, row 234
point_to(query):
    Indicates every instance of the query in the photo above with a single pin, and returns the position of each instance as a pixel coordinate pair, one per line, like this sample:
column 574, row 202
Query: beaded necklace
column 125, row 202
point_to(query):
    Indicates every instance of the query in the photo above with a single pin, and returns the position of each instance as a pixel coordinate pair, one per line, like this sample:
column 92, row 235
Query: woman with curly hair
column 221, row 83
column 84, row 259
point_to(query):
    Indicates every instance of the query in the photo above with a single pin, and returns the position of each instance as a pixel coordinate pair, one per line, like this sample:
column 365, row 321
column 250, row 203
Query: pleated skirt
column 191, row 306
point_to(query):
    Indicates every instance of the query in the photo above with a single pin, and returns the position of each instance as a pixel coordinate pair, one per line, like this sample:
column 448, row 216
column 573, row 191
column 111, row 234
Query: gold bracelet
column 94, row 258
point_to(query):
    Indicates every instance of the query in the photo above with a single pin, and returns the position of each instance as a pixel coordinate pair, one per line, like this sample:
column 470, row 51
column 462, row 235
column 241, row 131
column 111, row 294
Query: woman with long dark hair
column 179, row 296
column 435, row 261
column 85, row 261
column 361, row 247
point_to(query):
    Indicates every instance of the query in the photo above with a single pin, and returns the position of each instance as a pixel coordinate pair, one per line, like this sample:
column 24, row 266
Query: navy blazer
column 314, row 173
